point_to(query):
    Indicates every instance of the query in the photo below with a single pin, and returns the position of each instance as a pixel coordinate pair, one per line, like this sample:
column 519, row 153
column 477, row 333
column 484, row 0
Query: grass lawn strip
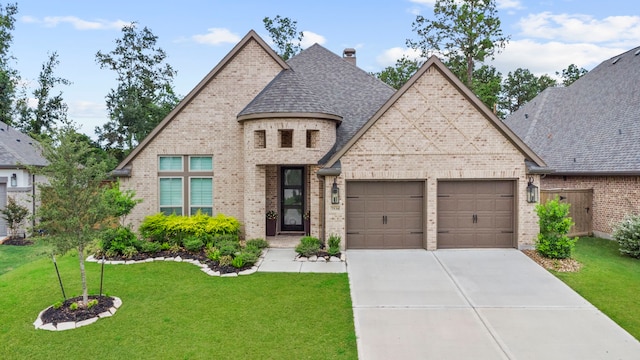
column 608, row 280
column 172, row 310
column 12, row 256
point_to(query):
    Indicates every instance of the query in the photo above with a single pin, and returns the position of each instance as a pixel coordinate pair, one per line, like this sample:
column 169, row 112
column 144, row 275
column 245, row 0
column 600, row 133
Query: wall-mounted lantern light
column 532, row 192
column 335, row 193
column 14, row 180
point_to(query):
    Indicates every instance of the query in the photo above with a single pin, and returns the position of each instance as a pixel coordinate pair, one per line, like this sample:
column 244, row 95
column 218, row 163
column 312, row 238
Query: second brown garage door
column 476, row 214
column 385, row 215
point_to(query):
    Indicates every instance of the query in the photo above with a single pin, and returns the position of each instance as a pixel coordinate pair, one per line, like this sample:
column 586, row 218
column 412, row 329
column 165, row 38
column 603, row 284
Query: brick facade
column 613, row 197
column 434, row 133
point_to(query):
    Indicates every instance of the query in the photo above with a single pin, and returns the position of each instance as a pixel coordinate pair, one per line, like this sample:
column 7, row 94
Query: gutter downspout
column 33, row 202
column 335, row 170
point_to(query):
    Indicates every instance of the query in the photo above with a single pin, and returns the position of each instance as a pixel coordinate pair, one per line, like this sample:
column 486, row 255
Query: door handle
column 474, row 218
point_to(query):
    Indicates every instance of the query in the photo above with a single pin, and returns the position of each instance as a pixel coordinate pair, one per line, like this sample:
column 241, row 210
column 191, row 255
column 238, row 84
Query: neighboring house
column 428, row 166
column 17, row 151
column 589, row 134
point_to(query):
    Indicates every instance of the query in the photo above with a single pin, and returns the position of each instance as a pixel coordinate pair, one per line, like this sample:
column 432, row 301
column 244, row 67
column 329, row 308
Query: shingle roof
column 320, row 81
column 591, row 126
column 17, row 149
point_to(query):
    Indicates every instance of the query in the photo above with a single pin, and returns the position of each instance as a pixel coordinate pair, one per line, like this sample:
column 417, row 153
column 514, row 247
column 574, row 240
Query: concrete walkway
column 282, row 260
column 473, row 304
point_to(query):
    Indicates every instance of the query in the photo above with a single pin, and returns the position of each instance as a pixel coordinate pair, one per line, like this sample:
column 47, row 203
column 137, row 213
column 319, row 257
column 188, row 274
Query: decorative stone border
column 321, row 259
column 204, row 267
column 76, row 324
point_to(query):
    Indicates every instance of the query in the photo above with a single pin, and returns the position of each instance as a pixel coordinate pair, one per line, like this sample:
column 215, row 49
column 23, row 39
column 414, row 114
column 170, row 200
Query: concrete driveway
column 473, row 304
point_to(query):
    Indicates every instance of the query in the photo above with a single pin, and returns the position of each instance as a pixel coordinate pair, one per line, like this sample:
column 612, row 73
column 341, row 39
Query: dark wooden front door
column 292, row 198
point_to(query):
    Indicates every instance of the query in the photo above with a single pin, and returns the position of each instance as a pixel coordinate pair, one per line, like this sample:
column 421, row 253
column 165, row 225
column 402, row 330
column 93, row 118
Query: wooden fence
column 581, row 210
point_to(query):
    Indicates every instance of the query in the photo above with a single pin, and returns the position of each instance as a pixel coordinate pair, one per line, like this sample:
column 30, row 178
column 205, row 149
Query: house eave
column 289, row 115
column 598, row 173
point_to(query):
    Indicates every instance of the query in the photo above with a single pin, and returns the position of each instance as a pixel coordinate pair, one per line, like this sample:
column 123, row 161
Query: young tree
column 285, row 35
column 144, row 95
column 73, row 209
column 467, row 27
column 40, row 121
column 398, row 75
column 571, row 74
column 14, row 214
column 121, row 202
column 8, row 76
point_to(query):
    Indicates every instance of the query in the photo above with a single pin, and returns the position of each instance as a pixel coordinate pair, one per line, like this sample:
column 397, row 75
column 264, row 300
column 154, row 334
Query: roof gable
column 593, row 125
column 18, row 149
column 434, row 62
column 251, row 36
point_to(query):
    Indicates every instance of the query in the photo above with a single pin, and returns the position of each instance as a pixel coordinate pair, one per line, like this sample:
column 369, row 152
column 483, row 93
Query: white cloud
column 217, row 36
column 390, row 56
column 88, row 115
column 549, row 57
column 582, row 28
column 424, row 2
column 309, row 38
column 509, row 4
column 77, row 23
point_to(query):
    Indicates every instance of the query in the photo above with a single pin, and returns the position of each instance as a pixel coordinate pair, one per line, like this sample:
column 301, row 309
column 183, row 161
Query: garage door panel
column 475, row 214
column 388, row 214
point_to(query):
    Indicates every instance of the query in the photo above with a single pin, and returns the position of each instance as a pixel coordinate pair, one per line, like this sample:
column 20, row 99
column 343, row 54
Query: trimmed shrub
column 334, row 245
column 627, row 234
column 259, row 243
column 555, row 223
column 213, row 254
column 220, row 239
column 193, row 243
column 308, row 246
column 225, row 260
column 249, row 257
column 228, row 248
column 116, row 240
column 175, row 228
column 150, row 247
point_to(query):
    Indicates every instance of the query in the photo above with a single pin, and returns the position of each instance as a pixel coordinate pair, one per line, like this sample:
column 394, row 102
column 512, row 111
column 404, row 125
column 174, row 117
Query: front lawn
column 608, row 280
column 175, row 311
column 13, row 256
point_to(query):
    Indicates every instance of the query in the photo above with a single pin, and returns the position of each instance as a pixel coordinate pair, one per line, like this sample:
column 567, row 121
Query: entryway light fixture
column 335, row 193
column 532, row 192
column 14, row 180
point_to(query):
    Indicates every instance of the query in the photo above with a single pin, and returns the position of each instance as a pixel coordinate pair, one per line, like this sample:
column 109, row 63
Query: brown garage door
column 476, row 214
column 385, row 215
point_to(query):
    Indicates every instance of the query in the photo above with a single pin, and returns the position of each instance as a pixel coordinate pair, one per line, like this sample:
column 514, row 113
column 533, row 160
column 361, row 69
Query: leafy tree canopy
column 285, row 36
column 571, row 74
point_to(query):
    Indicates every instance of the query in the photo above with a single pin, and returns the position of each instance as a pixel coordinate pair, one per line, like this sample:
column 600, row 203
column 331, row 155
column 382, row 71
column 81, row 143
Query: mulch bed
column 559, row 265
column 201, row 256
column 65, row 314
column 17, row 241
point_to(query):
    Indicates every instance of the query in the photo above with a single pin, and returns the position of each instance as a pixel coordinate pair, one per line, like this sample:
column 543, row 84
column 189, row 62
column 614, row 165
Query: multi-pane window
column 201, row 195
column 171, row 195
column 185, row 191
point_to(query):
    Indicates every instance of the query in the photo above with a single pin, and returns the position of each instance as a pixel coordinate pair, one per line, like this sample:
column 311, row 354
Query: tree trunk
column 83, row 275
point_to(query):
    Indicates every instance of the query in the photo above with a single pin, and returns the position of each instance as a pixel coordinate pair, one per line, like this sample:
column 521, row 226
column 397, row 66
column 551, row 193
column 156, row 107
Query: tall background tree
column 73, row 206
column 144, row 95
column 520, row 86
column 285, row 35
column 8, row 76
column 396, row 76
column 50, row 109
column 571, row 74
column 467, row 28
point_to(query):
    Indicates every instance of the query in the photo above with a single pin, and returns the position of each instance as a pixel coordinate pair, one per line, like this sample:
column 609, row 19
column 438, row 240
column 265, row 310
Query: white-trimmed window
column 171, row 189
column 201, row 195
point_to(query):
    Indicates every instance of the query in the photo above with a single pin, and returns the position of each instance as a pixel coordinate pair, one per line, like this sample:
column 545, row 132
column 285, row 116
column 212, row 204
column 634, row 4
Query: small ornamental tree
column 14, row 214
column 627, row 234
column 120, row 202
column 73, row 209
column 555, row 223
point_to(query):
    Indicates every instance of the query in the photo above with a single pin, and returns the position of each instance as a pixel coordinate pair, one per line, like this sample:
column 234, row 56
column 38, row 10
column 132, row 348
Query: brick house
column 17, row 150
column 589, row 134
column 427, row 166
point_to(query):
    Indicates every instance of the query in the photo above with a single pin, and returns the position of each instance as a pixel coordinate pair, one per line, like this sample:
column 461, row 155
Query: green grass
column 12, row 257
column 608, row 280
column 175, row 311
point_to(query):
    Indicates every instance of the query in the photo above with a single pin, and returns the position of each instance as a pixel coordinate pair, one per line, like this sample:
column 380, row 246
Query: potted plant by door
column 307, row 223
column 272, row 218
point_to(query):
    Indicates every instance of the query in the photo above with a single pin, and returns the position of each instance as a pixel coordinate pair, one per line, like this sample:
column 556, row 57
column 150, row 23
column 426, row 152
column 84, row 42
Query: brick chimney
column 349, row 54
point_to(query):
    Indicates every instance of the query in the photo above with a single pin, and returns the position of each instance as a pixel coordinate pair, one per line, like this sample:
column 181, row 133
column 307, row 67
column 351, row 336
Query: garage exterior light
column 532, row 192
column 335, row 193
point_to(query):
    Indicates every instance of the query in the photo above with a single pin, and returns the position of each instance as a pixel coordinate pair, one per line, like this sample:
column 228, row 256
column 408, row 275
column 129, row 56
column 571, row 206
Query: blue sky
column 546, row 36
